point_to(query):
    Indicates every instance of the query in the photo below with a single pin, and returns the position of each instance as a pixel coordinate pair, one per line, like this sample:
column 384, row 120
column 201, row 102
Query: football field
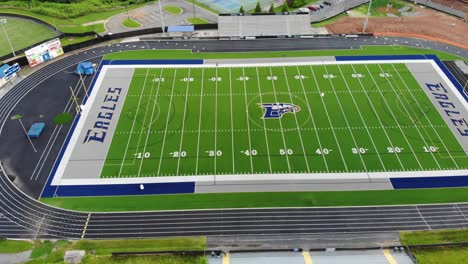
column 283, row 119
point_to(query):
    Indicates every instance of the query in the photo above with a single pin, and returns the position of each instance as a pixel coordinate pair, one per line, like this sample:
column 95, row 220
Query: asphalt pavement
column 24, row 217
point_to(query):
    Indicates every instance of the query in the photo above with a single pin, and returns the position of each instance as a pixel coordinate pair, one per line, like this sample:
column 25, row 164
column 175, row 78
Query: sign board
column 10, row 71
column 44, row 52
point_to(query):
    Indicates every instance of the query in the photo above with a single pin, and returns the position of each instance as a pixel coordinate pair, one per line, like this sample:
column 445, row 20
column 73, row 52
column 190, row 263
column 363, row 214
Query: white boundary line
column 382, row 175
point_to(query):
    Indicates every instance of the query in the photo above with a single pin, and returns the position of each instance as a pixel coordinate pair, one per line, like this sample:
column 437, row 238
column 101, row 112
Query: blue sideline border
column 420, row 182
column 114, row 189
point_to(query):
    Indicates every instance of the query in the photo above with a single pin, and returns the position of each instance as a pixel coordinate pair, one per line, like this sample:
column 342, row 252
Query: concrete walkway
column 149, row 16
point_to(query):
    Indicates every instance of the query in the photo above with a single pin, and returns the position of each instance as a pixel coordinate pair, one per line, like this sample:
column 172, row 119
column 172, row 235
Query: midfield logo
column 276, row 110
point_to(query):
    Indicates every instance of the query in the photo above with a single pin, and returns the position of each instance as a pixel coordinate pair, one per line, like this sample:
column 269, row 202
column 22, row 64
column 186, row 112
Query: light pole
column 193, row 5
column 367, row 17
column 161, row 17
column 3, row 22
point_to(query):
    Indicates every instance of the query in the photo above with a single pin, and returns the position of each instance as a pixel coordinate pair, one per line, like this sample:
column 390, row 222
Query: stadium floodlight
column 3, row 22
column 367, row 17
column 19, row 117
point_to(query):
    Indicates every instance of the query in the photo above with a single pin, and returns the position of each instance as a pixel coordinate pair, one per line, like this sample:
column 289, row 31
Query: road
column 24, row 217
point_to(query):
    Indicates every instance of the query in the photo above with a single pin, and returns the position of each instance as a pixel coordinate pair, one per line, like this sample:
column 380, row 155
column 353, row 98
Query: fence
column 442, row 8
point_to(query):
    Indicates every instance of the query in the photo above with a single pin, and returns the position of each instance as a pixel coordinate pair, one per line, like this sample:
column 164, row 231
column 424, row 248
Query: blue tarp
column 36, row 130
column 181, row 29
column 2, row 69
column 85, row 68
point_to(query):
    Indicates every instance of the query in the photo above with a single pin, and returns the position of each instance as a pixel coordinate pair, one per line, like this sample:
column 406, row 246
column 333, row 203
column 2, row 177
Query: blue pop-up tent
column 84, row 68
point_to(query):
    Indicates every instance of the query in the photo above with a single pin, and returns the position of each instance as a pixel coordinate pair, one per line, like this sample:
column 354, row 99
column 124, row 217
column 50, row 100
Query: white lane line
column 329, row 120
column 151, row 120
column 362, row 119
column 281, row 123
column 297, row 122
column 248, row 123
column 395, row 118
column 263, row 120
column 199, row 121
column 422, row 217
column 313, row 120
column 382, row 126
column 133, row 124
column 183, row 124
column 85, row 226
column 167, row 121
column 428, row 120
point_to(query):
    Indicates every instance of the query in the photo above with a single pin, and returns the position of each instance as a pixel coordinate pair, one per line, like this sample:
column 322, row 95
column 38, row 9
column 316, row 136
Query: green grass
column 376, row 4
column 14, row 246
column 365, row 50
column 175, row 10
column 73, row 40
column 329, row 21
column 145, row 260
column 197, row 21
column 445, row 255
column 63, row 118
column 106, row 247
column 433, row 237
column 42, row 249
column 130, row 23
column 253, row 200
column 22, row 33
column 203, row 6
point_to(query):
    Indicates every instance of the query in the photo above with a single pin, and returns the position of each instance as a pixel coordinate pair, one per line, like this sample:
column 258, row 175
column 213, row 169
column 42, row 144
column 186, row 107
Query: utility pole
column 367, row 17
column 19, row 117
column 3, row 22
column 193, row 5
column 162, row 17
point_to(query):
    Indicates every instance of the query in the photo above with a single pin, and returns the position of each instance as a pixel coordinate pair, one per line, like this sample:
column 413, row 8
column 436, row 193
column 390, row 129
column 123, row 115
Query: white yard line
column 297, row 123
column 329, row 120
column 248, row 122
column 394, row 118
column 428, row 120
column 199, row 121
column 346, row 120
column 362, row 119
column 281, row 123
column 133, row 124
column 232, row 124
column 167, row 122
column 151, row 120
column 183, row 124
column 143, row 125
column 410, row 116
column 313, row 120
column 263, row 120
column 382, row 126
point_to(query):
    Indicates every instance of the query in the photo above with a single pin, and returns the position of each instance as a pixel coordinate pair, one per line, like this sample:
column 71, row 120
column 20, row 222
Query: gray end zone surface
column 447, row 101
column 87, row 158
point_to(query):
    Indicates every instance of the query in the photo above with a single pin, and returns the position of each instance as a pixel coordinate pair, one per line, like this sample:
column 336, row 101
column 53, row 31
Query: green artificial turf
column 22, row 33
column 258, row 200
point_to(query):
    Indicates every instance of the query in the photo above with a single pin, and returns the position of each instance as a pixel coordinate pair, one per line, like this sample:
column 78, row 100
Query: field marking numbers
column 133, row 124
column 199, row 122
column 232, row 122
column 313, row 120
column 371, row 103
column 363, row 120
column 295, row 116
column 183, row 125
column 167, row 121
column 263, row 120
column 329, row 121
column 248, row 120
column 425, row 116
column 409, row 114
column 280, row 121
column 394, row 118
column 346, row 119
column 151, row 120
